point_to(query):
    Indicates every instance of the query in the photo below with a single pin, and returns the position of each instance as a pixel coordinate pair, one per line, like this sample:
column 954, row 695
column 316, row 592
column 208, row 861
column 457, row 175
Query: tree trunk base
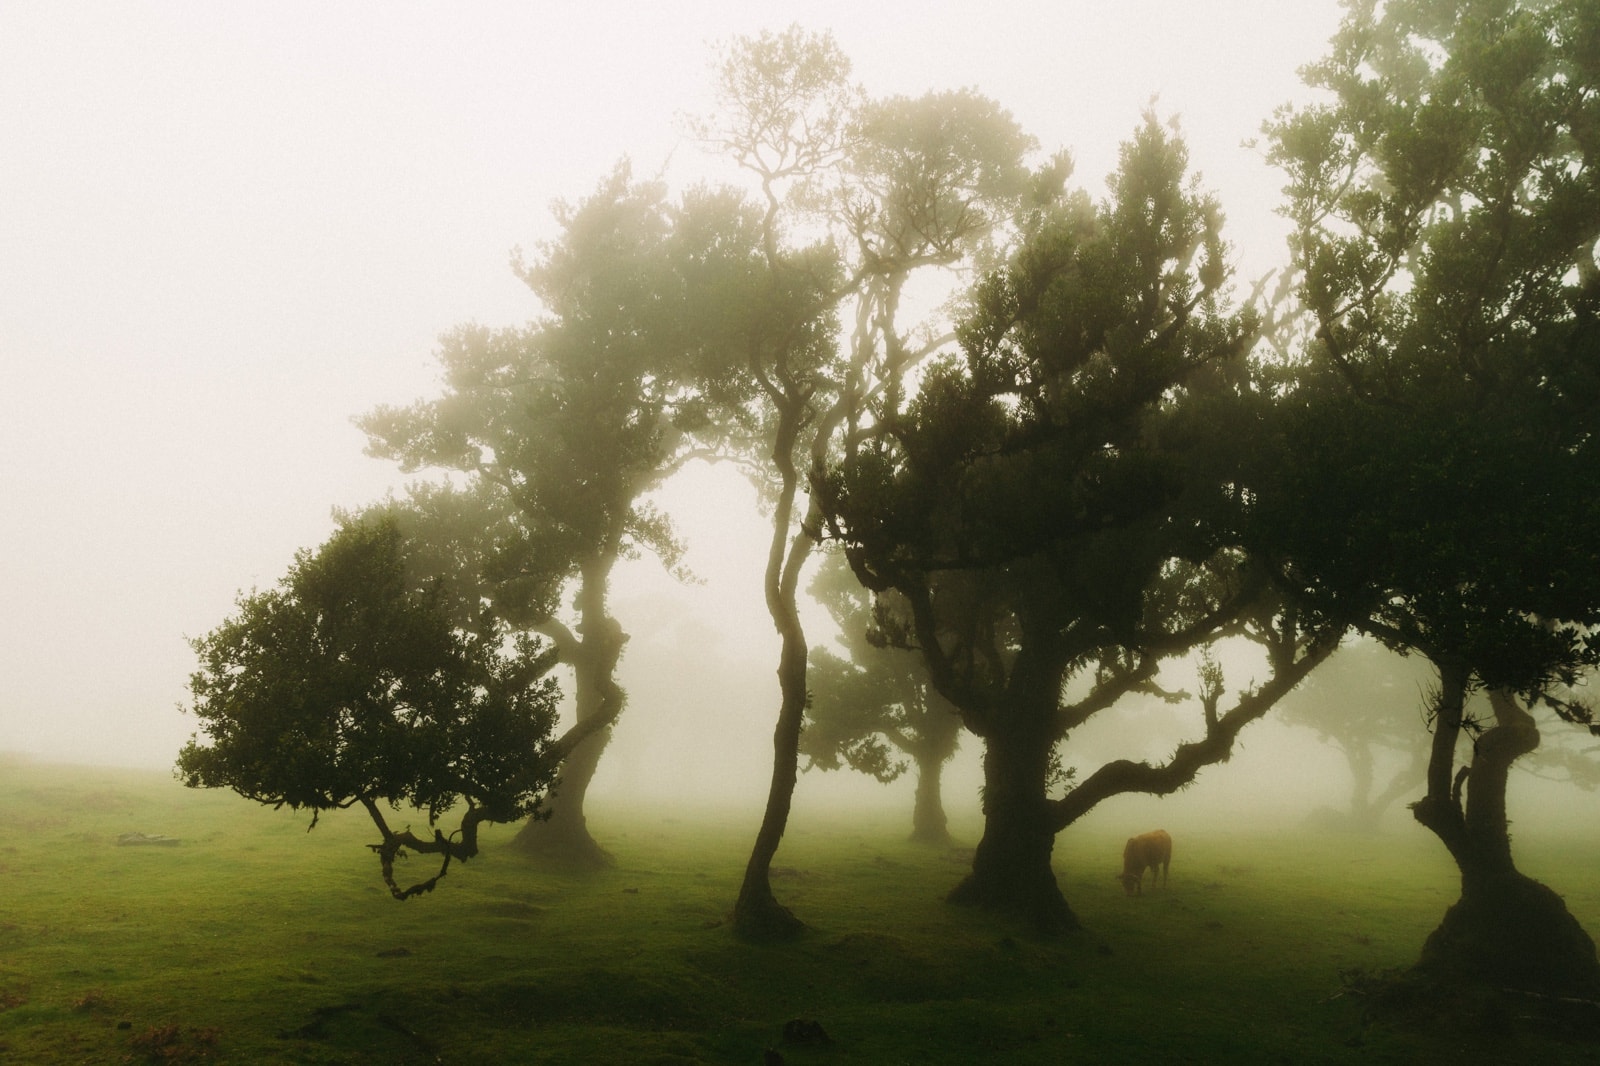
column 1011, row 874
column 1035, row 899
column 932, row 836
column 762, row 919
column 561, row 845
column 1513, row 933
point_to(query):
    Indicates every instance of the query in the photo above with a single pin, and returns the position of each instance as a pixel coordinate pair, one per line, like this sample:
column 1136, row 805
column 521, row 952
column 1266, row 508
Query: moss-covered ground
column 254, row 941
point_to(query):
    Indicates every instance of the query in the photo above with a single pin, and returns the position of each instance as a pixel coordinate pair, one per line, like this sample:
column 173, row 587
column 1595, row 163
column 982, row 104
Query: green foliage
column 1039, row 431
column 555, row 432
column 931, row 180
column 876, row 701
column 1444, row 432
column 1441, row 438
column 1043, row 455
column 354, row 682
column 563, row 425
column 785, row 106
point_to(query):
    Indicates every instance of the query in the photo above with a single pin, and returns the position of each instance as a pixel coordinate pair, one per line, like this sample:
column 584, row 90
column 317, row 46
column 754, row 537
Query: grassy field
column 255, row 942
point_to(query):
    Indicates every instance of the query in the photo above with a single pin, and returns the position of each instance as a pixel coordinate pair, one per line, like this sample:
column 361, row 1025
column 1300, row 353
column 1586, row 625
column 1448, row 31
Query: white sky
column 225, row 229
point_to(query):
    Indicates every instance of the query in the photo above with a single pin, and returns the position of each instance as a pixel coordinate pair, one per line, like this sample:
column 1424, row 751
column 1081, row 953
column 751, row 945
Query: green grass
column 256, row 942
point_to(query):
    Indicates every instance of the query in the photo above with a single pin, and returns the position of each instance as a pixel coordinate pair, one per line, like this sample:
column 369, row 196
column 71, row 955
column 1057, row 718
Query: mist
column 225, row 233
column 338, row 342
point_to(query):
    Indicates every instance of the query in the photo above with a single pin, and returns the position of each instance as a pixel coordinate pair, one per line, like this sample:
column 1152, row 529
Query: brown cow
column 1152, row 850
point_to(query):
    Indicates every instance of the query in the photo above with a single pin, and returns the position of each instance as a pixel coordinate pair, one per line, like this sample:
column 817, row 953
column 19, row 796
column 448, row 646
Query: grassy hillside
column 255, row 941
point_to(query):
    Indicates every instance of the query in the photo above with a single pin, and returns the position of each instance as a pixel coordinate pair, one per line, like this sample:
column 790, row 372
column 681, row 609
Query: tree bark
column 562, row 838
column 1506, row 930
column 929, row 825
column 1011, row 870
column 757, row 914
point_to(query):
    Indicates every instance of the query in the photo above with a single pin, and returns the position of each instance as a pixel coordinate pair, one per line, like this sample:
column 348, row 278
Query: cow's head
column 1131, row 883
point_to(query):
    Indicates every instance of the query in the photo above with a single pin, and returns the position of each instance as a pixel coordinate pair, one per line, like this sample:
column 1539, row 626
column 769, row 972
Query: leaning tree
column 365, row 678
column 562, row 427
column 1057, row 505
column 1446, row 425
column 857, row 198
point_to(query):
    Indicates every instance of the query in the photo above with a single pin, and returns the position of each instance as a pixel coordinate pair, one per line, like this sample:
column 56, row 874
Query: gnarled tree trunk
column 1011, row 869
column 1404, row 780
column 563, row 838
column 1507, row 930
column 757, row 914
column 937, row 734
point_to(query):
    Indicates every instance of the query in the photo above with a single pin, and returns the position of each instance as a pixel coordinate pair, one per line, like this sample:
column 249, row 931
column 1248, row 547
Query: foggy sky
column 226, row 229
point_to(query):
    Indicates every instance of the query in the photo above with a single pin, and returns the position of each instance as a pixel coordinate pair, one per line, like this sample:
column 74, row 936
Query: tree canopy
column 1057, row 506
column 1442, row 430
column 859, row 196
column 560, row 429
column 875, row 703
column 1082, row 482
column 357, row 681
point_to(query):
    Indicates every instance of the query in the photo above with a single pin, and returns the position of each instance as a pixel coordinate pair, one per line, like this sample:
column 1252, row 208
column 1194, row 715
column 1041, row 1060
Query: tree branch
column 1216, row 746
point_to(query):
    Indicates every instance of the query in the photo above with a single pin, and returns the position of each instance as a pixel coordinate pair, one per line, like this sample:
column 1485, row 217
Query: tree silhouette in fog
column 876, row 703
column 1363, row 701
column 562, row 426
column 857, row 196
column 1443, row 434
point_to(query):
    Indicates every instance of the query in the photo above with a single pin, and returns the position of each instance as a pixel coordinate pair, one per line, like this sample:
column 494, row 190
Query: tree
column 561, row 427
column 1446, row 201
column 1363, row 701
column 1058, row 503
column 361, row 680
column 888, row 189
column 874, row 699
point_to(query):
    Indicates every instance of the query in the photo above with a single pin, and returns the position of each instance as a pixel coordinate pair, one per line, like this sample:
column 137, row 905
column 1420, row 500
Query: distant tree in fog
column 875, row 704
column 561, row 427
column 1057, row 506
column 364, row 678
column 1364, row 701
column 857, row 197
column 1445, row 429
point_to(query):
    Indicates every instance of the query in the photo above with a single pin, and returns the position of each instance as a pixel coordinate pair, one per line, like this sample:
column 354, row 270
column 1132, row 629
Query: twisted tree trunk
column 757, row 914
column 562, row 837
column 1011, row 870
column 1506, row 930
